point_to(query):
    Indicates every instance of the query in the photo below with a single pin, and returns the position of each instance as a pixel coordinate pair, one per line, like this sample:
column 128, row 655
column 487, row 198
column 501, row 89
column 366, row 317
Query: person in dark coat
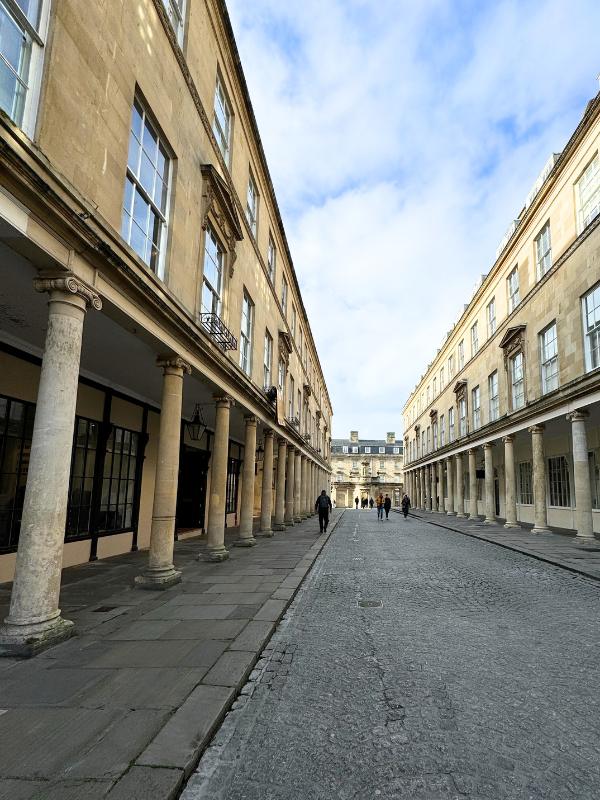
column 387, row 504
column 405, row 505
column 371, row 503
column 323, row 507
column 356, row 502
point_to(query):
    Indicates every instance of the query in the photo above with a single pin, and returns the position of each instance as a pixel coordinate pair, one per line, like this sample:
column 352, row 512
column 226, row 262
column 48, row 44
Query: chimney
column 354, row 436
column 391, row 437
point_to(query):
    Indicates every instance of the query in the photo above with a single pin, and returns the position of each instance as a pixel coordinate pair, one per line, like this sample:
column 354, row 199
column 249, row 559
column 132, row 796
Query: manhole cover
column 104, row 609
column 370, row 604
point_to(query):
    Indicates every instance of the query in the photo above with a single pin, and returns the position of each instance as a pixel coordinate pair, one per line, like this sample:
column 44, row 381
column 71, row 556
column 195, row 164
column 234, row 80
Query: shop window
column 16, row 428
column 234, row 466
column 559, row 484
column 525, row 484
column 118, row 481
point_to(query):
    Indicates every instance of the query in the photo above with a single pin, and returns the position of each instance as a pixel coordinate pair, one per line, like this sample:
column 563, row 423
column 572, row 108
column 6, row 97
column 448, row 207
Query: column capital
column 472, row 451
column 174, row 364
column 510, row 438
column 223, row 400
column 251, row 421
column 281, row 440
column 578, row 416
column 269, row 432
column 68, row 284
column 537, row 428
column 488, row 445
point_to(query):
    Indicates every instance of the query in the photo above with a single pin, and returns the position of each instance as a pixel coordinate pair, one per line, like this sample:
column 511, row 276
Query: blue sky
column 403, row 138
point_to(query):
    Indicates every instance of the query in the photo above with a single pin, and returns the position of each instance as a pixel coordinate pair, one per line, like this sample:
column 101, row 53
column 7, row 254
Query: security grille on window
column 451, row 424
column 491, row 317
column 246, row 334
column 549, row 358
column 144, row 224
column 461, row 355
column 525, row 483
column 267, row 360
column 474, row 338
column 23, row 25
column 493, row 396
column 271, row 258
column 588, row 193
column 476, row 407
column 517, row 381
column 558, row 479
column 512, row 283
column 222, row 121
column 252, row 205
column 543, row 251
column 212, row 277
column 462, row 417
column 175, row 9
column 591, row 328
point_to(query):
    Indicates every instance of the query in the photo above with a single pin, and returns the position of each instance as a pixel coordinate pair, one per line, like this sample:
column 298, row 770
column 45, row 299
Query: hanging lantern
column 196, row 426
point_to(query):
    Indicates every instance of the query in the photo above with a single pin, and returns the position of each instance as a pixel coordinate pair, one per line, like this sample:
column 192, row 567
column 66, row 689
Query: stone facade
column 135, row 197
column 504, row 424
column 365, row 467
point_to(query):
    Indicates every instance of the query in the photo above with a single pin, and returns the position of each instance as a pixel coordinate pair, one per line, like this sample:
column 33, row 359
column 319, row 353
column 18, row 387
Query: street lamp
column 196, row 426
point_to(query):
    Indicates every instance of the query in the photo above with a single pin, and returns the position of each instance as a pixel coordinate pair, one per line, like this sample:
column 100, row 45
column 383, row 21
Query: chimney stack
column 354, row 436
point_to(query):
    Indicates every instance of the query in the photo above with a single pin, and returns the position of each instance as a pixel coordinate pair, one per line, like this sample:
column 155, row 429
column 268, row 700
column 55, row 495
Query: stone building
column 156, row 360
column 365, row 467
column 504, row 424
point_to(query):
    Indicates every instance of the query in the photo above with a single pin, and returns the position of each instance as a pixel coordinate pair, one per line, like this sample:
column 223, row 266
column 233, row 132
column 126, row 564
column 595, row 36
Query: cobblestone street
column 472, row 672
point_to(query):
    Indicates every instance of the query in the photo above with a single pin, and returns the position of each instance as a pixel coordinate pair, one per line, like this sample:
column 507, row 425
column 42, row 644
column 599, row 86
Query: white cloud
column 402, row 139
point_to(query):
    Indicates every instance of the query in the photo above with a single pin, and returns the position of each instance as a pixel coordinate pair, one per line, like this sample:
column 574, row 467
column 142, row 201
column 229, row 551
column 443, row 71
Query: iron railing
column 218, row 331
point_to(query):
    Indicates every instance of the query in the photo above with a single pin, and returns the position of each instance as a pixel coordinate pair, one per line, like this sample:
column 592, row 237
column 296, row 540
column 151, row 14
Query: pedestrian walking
column 356, row 502
column 405, row 505
column 323, row 507
column 371, row 504
column 380, row 507
column 387, row 504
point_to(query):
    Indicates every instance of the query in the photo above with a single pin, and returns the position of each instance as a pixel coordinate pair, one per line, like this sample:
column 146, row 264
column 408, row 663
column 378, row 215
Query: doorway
column 191, row 492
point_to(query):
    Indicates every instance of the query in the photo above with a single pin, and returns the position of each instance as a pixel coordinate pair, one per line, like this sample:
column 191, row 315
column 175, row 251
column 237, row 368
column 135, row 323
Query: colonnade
column 426, row 484
column 34, row 620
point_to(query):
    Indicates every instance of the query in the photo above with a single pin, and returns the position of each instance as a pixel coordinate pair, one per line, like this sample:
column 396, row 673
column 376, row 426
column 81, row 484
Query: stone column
column 540, row 511
column 266, row 494
column 450, row 482
column 298, row 488
column 289, row 487
column 434, row 498
column 34, row 620
column 216, row 550
column 422, row 497
column 460, row 486
column 510, row 483
column 280, row 486
column 313, row 483
column 440, row 469
column 473, row 514
column 304, row 499
column 490, row 504
column 160, row 572
column 581, row 474
column 246, row 537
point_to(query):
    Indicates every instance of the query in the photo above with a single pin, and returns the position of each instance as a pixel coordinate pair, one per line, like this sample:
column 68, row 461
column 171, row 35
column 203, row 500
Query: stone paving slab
column 124, row 709
column 560, row 549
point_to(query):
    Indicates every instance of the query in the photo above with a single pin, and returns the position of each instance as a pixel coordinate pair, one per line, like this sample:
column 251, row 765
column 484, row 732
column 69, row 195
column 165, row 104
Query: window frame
column 525, row 483
column 267, row 360
column 543, row 260
column 271, row 258
column 546, row 360
column 591, row 336
column 511, row 292
column 476, row 407
column 224, row 138
column 474, row 338
column 515, row 404
column 491, row 317
column 179, row 14
column 217, row 295
column 561, row 462
column 494, row 399
column 247, row 333
column 252, row 211
column 593, row 163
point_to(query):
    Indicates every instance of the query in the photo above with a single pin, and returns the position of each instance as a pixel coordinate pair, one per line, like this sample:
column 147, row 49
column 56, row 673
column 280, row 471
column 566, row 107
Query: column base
column 297, row 520
column 215, row 556
column 540, row 530
column 25, row 641
column 248, row 541
column 158, row 579
column 289, row 523
column 279, row 526
column 511, row 525
column 461, row 516
column 450, row 513
column 267, row 533
column 587, row 541
column 488, row 521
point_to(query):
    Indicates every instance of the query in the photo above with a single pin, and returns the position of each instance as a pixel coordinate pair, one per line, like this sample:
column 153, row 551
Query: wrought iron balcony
column 218, row 331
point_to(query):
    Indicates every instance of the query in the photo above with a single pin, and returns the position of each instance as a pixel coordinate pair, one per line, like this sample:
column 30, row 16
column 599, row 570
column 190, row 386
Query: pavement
column 419, row 663
column 124, row 710
column 560, row 548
